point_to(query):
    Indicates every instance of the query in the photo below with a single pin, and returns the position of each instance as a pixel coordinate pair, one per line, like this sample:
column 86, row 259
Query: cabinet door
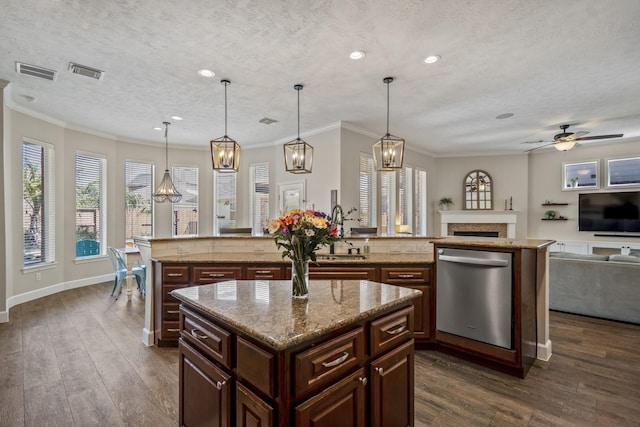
column 205, row 391
column 392, row 388
column 342, row 404
column 421, row 314
column 251, row 411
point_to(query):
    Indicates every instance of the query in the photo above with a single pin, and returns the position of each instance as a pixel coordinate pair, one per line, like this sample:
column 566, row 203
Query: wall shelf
column 555, row 204
column 554, row 219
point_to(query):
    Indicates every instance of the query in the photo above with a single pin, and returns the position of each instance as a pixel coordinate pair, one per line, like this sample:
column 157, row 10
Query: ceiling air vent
column 267, row 121
column 35, row 71
column 83, row 70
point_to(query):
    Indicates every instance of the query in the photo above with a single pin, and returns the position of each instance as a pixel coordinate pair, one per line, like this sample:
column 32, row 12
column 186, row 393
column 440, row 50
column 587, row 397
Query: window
column 420, row 202
column 185, row 212
column 388, row 203
column 225, row 200
column 580, row 176
column 259, row 197
column 38, row 203
column 623, row 172
column 368, row 192
column 138, row 192
column 405, row 200
column 91, row 221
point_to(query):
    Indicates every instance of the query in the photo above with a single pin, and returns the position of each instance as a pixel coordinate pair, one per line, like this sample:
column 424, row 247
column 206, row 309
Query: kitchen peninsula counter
column 249, row 352
column 493, row 242
column 276, row 257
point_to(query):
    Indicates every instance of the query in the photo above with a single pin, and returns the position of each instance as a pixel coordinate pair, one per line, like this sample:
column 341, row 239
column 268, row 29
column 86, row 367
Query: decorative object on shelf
column 225, row 151
column 298, row 155
column 478, row 191
column 166, row 191
column 574, row 182
column 550, row 214
column 388, row 152
column 445, row 202
column 300, row 234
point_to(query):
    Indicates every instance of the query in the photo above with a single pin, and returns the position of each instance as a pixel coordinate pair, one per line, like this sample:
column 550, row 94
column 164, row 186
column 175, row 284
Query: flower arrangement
column 300, row 234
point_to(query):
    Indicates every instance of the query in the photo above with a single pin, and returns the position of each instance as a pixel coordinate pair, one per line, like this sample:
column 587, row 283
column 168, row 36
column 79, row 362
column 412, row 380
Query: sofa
column 606, row 286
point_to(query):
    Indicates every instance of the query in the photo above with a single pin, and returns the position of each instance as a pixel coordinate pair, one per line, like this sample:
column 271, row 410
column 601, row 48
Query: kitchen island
column 250, row 354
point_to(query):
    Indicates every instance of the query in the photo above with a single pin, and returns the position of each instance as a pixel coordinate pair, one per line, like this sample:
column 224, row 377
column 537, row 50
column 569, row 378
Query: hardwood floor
column 76, row 359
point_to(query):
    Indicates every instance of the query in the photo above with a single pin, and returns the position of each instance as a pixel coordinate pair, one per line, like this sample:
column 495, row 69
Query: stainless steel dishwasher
column 474, row 295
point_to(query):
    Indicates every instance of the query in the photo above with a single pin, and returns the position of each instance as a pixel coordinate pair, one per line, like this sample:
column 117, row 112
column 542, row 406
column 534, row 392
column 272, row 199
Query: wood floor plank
column 47, row 405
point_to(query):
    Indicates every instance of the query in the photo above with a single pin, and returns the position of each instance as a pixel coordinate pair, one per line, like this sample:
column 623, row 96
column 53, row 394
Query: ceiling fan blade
column 537, row 142
column 542, row 146
column 589, row 138
column 581, row 133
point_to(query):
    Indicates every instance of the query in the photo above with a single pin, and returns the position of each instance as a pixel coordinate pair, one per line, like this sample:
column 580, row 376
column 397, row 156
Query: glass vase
column 300, row 278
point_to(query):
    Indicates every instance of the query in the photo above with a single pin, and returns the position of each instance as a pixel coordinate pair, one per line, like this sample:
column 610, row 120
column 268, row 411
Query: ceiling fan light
column 564, row 145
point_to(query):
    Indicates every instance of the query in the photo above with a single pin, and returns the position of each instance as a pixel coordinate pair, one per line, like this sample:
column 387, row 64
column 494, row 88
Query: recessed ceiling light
column 206, row 73
column 504, row 116
column 176, row 117
column 432, row 59
column 156, row 128
column 357, row 54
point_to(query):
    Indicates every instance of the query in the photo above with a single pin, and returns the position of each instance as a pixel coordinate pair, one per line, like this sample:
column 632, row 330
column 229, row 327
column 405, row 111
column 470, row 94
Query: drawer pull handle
column 219, row 385
column 215, row 274
column 173, row 330
column 397, row 330
column 379, row 370
column 336, row 362
column 173, row 311
column 405, row 276
column 195, row 334
column 264, row 276
column 363, row 380
column 263, row 272
column 174, row 274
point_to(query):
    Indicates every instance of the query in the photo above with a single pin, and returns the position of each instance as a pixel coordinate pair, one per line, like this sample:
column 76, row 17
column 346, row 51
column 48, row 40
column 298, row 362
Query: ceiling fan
column 565, row 141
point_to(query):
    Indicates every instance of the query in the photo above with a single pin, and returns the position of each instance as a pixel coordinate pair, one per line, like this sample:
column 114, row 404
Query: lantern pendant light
column 225, row 151
column 166, row 191
column 388, row 151
column 298, row 155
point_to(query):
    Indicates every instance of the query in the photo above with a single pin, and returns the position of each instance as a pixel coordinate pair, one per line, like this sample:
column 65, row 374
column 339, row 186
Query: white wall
column 508, row 172
column 545, row 183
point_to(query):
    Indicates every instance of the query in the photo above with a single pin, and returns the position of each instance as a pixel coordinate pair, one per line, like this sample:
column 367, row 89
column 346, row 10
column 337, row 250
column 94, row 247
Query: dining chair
column 120, row 267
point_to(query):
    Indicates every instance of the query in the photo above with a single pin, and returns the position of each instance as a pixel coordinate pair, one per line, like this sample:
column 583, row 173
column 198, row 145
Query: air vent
column 83, row 70
column 35, row 71
column 267, row 121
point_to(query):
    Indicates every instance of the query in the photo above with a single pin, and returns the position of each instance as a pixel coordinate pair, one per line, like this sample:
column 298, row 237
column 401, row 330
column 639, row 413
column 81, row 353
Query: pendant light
column 388, row 152
column 166, row 191
column 298, row 155
column 225, row 151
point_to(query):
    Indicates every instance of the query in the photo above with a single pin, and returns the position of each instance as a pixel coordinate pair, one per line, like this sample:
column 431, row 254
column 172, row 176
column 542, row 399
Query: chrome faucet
column 337, row 217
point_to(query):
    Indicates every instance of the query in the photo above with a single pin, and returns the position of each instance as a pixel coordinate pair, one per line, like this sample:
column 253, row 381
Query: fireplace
column 477, row 233
column 479, row 222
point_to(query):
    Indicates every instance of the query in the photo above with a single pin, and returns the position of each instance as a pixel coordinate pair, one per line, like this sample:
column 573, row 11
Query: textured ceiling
column 547, row 62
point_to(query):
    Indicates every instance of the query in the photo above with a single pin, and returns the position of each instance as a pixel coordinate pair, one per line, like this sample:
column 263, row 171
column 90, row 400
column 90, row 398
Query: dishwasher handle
column 476, row 261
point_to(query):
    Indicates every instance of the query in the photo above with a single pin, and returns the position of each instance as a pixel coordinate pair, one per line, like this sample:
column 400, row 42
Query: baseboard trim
column 148, row 337
column 50, row 290
column 544, row 351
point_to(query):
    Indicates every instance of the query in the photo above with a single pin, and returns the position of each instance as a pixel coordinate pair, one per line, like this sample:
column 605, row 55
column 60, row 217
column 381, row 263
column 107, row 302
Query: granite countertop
column 266, row 311
column 494, row 242
column 275, row 257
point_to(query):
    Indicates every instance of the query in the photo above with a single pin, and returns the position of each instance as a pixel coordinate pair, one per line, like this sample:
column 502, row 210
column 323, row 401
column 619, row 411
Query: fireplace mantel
column 479, row 217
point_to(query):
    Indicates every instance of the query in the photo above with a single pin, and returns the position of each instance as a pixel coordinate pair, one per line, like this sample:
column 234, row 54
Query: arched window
column 478, row 190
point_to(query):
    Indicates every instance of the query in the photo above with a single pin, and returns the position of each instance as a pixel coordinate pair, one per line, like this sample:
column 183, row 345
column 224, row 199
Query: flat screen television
column 612, row 212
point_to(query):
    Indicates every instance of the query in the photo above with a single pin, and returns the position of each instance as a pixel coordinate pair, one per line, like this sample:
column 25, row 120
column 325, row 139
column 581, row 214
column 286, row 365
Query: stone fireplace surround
column 504, row 222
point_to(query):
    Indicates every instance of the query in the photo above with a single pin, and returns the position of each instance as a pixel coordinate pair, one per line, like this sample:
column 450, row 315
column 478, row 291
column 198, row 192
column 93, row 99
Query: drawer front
column 264, row 273
column 405, row 275
column 166, row 290
column 389, row 331
column 213, row 341
column 204, row 274
column 171, row 312
column 256, row 366
column 175, row 274
column 170, row 330
column 327, row 362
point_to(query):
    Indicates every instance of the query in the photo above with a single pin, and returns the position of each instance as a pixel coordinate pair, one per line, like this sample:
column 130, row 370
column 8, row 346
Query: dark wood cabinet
column 419, row 278
column 361, row 376
column 207, row 399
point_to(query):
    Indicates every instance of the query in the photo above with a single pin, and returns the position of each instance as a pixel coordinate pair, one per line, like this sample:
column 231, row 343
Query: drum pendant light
column 166, row 191
column 225, row 152
column 298, row 155
column 388, row 152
